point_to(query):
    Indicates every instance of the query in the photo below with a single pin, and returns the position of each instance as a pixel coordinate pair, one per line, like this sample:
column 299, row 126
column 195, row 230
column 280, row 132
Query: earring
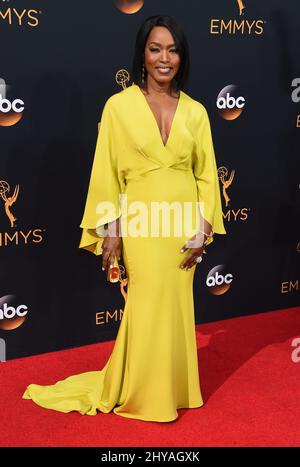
column 143, row 73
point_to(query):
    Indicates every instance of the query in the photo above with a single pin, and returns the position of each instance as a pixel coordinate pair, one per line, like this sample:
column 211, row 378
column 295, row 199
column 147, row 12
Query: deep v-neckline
column 154, row 118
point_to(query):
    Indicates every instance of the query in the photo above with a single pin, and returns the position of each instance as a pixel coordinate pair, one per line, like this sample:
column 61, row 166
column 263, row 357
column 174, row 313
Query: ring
column 198, row 259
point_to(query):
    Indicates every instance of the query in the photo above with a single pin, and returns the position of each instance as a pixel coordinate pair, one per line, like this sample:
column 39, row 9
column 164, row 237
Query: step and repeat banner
column 60, row 61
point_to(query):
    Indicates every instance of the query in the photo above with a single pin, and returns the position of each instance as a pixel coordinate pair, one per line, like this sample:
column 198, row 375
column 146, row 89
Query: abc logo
column 11, row 110
column 17, row 105
column 12, row 314
column 129, row 7
column 218, row 281
column 229, row 103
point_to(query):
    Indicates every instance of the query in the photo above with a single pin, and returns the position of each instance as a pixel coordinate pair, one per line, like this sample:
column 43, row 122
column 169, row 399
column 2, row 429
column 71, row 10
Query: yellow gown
column 153, row 368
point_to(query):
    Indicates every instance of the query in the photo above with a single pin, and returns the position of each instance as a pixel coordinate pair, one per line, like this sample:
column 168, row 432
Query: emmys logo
column 290, row 286
column 226, row 180
column 222, row 174
column 241, row 7
column 8, row 200
column 237, row 26
column 11, row 17
column 122, row 76
column 12, row 314
column 129, row 6
column 17, row 236
column 229, row 103
column 103, row 317
column 217, row 281
column 10, row 110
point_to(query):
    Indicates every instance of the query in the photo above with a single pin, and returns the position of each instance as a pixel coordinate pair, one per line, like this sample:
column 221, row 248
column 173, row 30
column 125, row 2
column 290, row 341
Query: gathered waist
column 162, row 174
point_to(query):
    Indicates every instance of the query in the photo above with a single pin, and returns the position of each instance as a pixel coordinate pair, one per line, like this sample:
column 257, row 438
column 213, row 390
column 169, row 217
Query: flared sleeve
column 103, row 196
column 206, row 175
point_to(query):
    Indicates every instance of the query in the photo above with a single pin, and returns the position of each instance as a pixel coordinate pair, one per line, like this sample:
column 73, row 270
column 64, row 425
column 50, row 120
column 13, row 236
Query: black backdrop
column 61, row 60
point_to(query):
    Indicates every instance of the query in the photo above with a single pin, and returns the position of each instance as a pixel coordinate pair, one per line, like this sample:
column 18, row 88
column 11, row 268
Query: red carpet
column 249, row 383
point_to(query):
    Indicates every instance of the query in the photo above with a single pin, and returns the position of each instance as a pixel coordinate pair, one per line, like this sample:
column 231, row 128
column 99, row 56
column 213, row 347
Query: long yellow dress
column 153, row 368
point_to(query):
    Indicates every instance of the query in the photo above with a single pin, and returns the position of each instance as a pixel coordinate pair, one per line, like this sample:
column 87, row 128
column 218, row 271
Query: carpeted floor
column 249, row 382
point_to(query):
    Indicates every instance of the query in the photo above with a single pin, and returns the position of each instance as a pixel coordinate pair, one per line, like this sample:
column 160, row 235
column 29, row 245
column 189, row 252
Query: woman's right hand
column 111, row 246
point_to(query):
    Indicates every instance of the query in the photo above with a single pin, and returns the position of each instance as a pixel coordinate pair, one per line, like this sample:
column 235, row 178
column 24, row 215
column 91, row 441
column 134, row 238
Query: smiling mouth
column 164, row 69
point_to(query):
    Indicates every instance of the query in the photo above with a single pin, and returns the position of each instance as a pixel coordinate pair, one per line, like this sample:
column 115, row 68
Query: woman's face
column 162, row 60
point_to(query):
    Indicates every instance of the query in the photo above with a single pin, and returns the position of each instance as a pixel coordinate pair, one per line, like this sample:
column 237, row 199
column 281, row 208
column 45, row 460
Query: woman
column 154, row 148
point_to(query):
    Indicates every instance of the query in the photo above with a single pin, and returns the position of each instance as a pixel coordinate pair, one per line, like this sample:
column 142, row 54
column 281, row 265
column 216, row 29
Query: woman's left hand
column 196, row 244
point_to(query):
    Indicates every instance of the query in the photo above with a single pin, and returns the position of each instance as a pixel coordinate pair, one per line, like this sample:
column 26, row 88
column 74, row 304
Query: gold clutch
column 114, row 272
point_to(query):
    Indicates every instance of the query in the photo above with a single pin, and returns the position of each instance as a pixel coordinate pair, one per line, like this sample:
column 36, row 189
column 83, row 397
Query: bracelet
column 211, row 234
